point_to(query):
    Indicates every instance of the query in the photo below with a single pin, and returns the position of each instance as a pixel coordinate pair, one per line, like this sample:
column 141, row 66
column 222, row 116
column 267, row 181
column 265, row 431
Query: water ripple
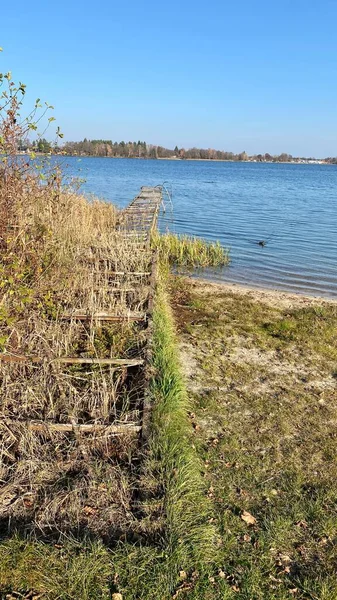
column 293, row 207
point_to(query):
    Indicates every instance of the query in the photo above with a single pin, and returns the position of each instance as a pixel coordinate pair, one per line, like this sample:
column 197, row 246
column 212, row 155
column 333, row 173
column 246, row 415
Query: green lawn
column 264, row 387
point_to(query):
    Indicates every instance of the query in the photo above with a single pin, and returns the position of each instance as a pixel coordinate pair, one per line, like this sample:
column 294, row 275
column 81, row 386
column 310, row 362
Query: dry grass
column 59, row 255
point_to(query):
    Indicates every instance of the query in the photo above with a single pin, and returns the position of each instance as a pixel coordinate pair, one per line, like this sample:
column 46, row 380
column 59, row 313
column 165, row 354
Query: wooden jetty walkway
column 140, row 218
column 121, row 296
column 76, row 402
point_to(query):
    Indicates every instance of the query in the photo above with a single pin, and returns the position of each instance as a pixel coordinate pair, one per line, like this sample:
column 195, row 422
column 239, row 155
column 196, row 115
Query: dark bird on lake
column 264, row 242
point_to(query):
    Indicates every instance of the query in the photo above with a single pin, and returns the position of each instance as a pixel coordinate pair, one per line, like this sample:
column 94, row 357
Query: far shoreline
column 175, row 159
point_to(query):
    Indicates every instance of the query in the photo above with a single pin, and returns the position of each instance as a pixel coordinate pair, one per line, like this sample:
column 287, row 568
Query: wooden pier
column 140, row 218
column 135, row 225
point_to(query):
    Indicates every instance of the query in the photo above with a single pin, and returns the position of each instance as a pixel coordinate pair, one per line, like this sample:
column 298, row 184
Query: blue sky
column 255, row 76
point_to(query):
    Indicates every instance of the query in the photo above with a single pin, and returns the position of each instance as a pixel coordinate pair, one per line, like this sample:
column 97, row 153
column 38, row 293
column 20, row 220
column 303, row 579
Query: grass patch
column 189, row 252
column 265, row 405
column 70, row 571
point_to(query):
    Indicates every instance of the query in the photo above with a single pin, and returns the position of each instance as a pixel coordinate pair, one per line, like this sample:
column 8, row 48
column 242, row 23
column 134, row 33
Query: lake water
column 292, row 207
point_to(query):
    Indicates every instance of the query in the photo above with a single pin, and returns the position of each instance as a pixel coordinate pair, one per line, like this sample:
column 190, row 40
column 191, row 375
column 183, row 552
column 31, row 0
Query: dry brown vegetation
column 63, row 255
column 63, row 481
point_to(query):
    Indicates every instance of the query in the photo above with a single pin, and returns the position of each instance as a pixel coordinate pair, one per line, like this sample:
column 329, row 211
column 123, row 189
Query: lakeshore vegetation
column 261, row 377
column 139, row 149
column 85, row 516
column 233, row 495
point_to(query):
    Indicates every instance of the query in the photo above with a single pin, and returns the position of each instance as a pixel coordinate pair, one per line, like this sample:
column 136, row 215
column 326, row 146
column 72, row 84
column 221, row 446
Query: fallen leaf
column 248, row 518
column 235, row 588
column 246, row 538
column 210, row 492
column 28, row 501
column 117, row 597
column 89, row 510
column 303, row 524
column 222, row 574
column 284, row 559
column 182, row 575
column 302, row 550
column 102, row 487
column 182, row 588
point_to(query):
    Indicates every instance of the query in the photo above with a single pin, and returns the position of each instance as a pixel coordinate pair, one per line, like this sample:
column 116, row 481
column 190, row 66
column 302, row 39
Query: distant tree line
column 141, row 149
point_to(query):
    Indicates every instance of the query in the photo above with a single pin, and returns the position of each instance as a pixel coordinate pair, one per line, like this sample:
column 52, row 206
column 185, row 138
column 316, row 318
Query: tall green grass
column 189, row 535
column 189, row 252
column 187, row 543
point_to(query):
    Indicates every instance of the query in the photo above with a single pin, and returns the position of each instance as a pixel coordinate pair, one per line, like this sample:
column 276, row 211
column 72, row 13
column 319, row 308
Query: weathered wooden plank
column 153, row 279
column 107, row 429
column 127, row 273
column 115, row 290
column 18, row 358
column 103, row 317
column 116, row 362
column 73, row 360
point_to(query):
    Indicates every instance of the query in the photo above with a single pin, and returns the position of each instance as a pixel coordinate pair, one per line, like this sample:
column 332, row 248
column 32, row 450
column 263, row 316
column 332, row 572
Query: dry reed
column 60, row 255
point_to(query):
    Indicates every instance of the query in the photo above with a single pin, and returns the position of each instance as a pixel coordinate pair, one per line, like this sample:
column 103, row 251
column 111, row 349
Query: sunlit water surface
column 292, row 207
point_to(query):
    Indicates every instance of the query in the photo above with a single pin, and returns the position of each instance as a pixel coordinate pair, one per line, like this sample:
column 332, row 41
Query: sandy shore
column 274, row 298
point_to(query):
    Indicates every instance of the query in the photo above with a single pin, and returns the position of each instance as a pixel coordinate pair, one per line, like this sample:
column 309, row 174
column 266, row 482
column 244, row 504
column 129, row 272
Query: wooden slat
column 73, row 360
column 120, row 429
column 101, row 260
column 138, row 208
column 147, row 399
column 17, row 358
column 102, row 317
column 117, row 362
column 127, row 273
column 138, row 219
column 115, row 290
column 153, row 280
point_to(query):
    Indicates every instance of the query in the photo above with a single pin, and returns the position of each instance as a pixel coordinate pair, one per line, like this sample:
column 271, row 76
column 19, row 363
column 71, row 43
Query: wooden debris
column 107, row 429
column 103, row 317
column 117, row 362
column 73, row 360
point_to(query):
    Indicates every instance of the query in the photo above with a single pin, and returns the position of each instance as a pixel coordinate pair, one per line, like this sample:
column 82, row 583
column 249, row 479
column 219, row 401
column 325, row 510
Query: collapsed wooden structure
column 122, row 298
